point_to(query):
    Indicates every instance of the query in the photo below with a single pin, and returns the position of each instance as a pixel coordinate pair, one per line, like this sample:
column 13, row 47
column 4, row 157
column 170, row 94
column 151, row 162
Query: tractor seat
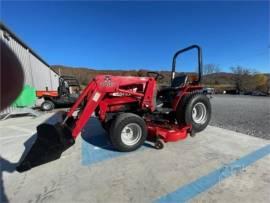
column 177, row 82
column 166, row 95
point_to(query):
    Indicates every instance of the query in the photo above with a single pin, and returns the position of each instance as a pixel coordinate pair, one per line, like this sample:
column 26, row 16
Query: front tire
column 128, row 132
column 195, row 110
column 47, row 105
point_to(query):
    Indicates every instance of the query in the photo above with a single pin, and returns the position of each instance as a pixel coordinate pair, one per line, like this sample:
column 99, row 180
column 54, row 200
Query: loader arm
column 89, row 109
column 93, row 97
column 96, row 91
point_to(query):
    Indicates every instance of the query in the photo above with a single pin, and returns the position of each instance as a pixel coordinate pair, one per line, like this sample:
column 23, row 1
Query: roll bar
column 199, row 49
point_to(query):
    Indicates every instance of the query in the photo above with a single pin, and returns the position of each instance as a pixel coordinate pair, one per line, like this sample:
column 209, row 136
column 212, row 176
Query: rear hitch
column 51, row 142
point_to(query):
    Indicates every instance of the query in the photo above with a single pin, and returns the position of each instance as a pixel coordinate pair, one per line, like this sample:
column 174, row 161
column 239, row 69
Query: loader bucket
column 51, row 141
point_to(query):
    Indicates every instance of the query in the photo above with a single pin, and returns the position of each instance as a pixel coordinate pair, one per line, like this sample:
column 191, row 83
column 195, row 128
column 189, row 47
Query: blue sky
column 135, row 35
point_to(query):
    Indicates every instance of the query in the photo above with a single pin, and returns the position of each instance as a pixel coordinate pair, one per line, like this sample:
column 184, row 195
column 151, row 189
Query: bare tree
column 260, row 82
column 241, row 78
column 268, row 85
column 210, row 69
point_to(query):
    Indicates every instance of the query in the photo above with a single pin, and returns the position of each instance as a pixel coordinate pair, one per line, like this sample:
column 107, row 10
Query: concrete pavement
column 90, row 171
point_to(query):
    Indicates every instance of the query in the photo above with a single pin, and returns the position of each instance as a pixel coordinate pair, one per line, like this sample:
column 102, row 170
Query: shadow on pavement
column 94, row 134
column 9, row 167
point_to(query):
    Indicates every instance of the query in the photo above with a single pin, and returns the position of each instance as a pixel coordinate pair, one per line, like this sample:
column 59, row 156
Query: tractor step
column 164, row 110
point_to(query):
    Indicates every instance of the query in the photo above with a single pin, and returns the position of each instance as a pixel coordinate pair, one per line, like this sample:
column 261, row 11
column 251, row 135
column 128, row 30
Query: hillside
column 84, row 75
column 221, row 80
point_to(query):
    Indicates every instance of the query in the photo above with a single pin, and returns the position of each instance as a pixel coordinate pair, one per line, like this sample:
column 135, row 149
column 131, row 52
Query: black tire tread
column 180, row 112
column 183, row 107
column 47, row 101
column 114, row 134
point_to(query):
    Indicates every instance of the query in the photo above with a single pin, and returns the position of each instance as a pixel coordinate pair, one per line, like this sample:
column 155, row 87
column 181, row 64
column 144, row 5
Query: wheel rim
column 131, row 134
column 199, row 113
column 46, row 106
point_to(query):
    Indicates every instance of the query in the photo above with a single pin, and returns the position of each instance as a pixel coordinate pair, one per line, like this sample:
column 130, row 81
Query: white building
column 37, row 73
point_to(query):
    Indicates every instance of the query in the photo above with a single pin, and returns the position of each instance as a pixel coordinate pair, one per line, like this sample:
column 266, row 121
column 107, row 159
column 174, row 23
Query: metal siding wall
column 23, row 56
column 36, row 73
column 55, row 80
column 41, row 74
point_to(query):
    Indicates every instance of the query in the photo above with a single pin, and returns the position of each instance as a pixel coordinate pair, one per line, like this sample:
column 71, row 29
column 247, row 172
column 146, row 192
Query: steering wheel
column 155, row 75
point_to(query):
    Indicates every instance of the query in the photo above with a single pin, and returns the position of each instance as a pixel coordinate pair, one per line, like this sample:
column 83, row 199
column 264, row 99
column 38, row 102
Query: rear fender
column 182, row 92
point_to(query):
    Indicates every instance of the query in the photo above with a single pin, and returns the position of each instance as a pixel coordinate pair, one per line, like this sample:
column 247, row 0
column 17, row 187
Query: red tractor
column 131, row 109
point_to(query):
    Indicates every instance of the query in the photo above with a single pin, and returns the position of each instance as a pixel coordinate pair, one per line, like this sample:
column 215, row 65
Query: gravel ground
column 245, row 114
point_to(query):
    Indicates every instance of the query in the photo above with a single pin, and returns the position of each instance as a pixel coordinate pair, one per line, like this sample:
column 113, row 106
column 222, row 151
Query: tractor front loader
column 131, row 109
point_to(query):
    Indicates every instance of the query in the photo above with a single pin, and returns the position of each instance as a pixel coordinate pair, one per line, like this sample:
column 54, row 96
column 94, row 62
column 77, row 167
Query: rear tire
column 47, row 105
column 195, row 110
column 128, row 132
